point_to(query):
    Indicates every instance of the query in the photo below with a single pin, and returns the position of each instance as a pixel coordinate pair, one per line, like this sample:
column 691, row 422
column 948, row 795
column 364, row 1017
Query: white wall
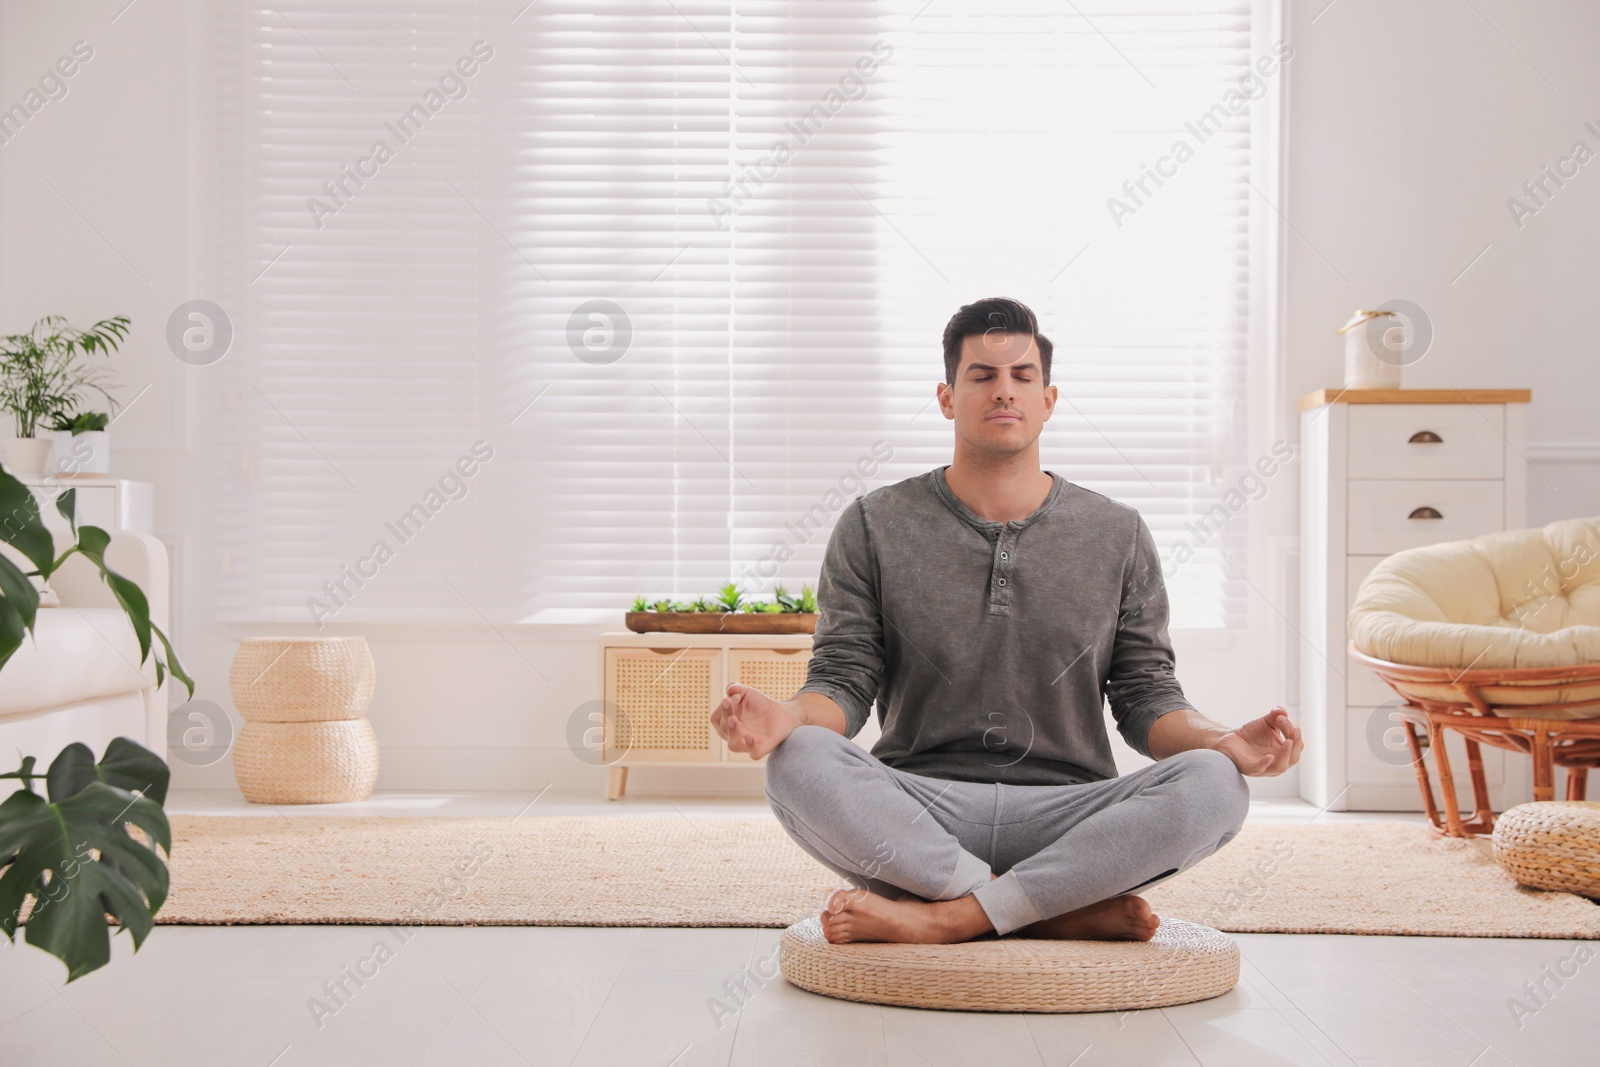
column 1408, row 126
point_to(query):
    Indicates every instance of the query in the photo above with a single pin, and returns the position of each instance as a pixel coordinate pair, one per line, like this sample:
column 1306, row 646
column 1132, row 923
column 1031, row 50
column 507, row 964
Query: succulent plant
column 731, row 600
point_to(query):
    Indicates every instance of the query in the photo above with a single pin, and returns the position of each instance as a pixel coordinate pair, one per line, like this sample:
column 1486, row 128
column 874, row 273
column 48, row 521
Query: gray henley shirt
column 991, row 647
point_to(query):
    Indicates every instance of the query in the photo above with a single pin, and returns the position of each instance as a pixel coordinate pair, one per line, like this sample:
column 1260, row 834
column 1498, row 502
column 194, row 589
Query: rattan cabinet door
column 663, row 699
column 777, row 672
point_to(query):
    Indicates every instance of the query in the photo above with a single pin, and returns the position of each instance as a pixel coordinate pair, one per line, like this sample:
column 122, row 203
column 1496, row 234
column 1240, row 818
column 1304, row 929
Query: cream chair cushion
column 1519, row 598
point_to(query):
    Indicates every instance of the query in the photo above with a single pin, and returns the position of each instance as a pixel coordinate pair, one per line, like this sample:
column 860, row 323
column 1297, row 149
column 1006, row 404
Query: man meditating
column 989, row 607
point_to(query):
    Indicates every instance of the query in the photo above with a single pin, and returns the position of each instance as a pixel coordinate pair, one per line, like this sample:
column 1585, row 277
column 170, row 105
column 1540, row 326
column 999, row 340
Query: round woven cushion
column 306, row 762
column 302, row 679
column 1551, row 844
column 1183, row 962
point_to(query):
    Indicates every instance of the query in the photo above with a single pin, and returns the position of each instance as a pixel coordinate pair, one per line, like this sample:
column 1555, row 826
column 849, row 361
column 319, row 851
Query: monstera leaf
column 126, row 765
column 22, row 528
column 72, row 854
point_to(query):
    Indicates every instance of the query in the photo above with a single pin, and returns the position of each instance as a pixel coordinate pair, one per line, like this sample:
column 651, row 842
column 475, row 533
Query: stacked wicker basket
column 305, row 739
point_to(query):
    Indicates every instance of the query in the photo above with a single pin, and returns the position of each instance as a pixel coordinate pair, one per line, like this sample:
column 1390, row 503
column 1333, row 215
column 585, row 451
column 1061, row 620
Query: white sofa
column 78, row 677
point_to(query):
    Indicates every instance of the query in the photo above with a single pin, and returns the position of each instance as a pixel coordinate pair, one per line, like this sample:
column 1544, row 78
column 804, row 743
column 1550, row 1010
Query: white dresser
column 1384, row 470
column 110, row 503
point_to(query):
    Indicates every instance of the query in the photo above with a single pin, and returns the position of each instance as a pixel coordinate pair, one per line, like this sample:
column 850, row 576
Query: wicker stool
column 1184, row 962
column 1553, row 844
column 305, row 739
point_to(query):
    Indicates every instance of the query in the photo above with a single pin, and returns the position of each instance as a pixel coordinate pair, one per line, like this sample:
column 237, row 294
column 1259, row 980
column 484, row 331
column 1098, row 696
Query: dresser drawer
column 1427, row 441
column 1362, row 684
column 1387, row 516
column 662, row 699
column 777, row 672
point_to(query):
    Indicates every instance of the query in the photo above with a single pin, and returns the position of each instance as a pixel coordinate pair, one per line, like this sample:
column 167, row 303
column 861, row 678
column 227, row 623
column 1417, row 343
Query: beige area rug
column 674, row 870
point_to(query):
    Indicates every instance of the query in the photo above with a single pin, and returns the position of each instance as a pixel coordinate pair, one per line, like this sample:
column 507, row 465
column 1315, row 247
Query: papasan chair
column 1495, row 637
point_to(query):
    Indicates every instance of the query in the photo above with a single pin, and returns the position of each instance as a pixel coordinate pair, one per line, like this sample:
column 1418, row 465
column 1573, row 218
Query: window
column 634, row 297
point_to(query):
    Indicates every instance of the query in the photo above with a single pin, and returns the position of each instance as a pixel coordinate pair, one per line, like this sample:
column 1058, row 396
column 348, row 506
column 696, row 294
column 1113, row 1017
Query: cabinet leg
column 616, row 783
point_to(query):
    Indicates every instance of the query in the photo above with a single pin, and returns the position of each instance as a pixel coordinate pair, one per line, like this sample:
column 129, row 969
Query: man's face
column 1000, row 402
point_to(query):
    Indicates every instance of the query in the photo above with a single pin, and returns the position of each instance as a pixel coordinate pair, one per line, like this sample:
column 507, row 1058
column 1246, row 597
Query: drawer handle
column 1425, row 513
column 1426, row 437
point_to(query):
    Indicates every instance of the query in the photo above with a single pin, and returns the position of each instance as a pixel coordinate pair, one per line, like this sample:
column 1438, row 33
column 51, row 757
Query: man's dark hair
column 997, row 313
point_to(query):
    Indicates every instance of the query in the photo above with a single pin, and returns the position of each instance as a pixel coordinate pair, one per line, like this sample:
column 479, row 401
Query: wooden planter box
column 731, row 622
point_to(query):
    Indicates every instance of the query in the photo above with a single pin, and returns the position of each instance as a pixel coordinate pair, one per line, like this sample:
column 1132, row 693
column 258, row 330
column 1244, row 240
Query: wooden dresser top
column 1415, row 396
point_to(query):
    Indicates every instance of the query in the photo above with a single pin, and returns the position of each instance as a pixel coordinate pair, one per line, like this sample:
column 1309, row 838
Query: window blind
column 636, row 296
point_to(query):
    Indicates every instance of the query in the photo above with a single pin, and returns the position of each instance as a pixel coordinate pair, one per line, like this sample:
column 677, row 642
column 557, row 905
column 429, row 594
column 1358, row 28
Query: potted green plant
column 70, row 860
column 730, row 613
column 48, row 372
column 81, row 446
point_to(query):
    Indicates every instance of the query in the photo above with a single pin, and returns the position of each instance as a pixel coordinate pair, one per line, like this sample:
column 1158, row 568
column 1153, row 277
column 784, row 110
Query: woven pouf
column 305, row 738
column 1551, row 844
column 1182, row 963
column 302, row 679
column 306, row 762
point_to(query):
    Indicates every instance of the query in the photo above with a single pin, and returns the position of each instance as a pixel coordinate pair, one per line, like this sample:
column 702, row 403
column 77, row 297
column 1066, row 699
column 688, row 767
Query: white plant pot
column 75, row 455
column 26, row 456
column 1366, row 368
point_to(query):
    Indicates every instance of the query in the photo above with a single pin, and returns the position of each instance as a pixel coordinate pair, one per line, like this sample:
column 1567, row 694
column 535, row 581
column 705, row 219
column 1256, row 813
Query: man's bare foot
column 854, row 915
column 1124, row 918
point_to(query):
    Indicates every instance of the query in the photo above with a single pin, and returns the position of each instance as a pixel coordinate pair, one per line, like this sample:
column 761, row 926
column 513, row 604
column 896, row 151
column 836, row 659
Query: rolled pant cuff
column 1006, row 905
column 971, row 872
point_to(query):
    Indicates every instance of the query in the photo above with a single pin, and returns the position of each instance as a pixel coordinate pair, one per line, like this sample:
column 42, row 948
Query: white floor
column 616, row 997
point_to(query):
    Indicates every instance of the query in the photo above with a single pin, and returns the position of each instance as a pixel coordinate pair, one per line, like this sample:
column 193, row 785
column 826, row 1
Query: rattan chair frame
column 1550, row 742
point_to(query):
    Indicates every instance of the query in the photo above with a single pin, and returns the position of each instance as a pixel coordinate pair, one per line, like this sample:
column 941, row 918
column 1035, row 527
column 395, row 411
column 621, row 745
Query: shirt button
column 1002, row 581
column 1005, row 555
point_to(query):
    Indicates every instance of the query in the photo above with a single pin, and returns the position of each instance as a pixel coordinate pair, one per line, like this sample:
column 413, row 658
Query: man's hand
column 1265, row 746
column 750, row 721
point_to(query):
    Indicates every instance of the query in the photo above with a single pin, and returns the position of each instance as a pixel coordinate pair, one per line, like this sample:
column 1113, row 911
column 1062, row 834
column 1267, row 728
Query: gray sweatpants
column 1057, row 848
